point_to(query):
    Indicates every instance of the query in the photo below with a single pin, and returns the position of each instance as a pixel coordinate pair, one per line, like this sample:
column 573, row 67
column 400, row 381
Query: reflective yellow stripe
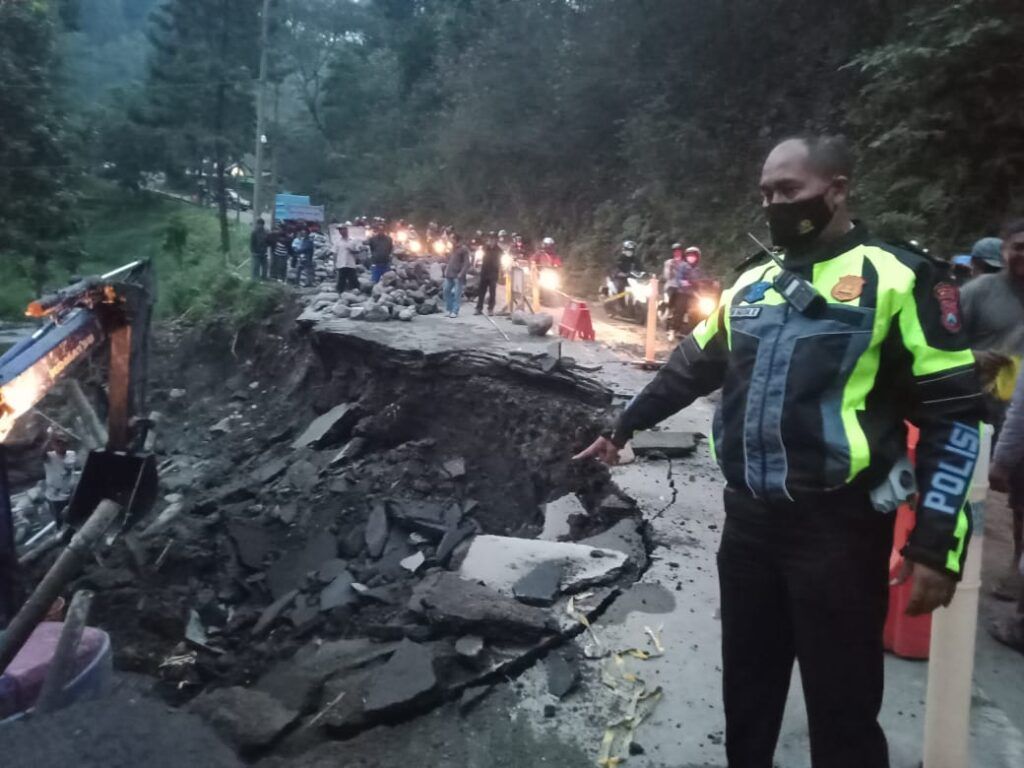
column 862, row 378
column 954, row 557
column 926, row 358
column 708, row 327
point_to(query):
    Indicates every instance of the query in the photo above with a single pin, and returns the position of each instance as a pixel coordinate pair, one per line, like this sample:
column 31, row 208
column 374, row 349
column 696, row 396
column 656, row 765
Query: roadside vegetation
column 195, row 279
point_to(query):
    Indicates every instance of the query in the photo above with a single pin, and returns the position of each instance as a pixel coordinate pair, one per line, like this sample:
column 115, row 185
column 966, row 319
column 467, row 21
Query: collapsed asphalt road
column 353, row 535
column 297, row 694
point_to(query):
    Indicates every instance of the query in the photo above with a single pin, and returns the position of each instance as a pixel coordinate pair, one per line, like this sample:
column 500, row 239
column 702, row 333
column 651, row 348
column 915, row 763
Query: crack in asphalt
column 670, row 476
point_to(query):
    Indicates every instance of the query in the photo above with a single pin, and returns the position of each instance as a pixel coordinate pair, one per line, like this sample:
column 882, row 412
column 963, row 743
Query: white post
column 951, row 656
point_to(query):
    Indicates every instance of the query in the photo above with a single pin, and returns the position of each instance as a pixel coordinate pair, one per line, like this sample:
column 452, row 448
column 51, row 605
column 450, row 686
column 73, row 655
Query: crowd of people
column 288, row 253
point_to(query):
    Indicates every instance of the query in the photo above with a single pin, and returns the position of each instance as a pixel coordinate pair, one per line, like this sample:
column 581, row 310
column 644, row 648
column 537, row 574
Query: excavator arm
column 30, row 368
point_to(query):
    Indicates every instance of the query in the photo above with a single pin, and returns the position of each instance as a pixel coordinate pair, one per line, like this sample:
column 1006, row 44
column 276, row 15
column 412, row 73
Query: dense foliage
column 35, row 162
column 591, row 120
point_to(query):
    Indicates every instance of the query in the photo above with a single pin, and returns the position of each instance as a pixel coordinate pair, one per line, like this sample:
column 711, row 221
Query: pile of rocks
column 409, row 289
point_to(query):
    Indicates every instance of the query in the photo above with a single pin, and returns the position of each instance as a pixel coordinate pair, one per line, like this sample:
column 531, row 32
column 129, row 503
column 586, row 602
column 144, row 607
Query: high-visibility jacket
column 817, row 402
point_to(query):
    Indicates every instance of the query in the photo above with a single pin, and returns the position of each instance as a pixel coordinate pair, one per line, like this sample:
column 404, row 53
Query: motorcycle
column 626, row 295
column 549, row 279
column 699, row 299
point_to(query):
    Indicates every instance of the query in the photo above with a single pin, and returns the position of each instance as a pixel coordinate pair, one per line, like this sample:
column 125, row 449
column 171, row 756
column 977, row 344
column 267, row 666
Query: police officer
column 815, row 391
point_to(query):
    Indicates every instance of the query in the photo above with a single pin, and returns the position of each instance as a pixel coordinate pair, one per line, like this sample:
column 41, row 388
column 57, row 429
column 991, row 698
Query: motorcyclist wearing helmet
column 677, row 288
column 626, row 260
column 690, row 270
column 625, row 263
column 547, row 256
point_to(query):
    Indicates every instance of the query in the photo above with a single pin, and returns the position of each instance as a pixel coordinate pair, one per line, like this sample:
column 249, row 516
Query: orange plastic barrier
column 905, row 636
column 576, row 321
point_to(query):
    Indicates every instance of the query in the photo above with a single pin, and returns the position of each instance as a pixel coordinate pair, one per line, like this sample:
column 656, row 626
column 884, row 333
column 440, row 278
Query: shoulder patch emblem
column 848, row 288
column 756, row 291
column 949, row 306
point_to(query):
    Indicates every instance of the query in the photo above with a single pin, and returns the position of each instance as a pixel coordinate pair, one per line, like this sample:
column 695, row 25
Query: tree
column 942, row 131
column 36, row 201
column 200, row 86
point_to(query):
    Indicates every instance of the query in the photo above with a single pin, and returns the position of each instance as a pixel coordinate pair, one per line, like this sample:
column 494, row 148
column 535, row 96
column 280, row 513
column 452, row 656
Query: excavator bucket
column 130, row 480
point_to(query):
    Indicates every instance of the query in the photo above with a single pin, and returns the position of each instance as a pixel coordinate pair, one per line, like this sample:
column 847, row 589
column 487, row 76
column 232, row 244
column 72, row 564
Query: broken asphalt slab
column 297, row 682
column 672, row 445
column 253, row 542
column 626, row 537
column 270, row 471
column 377, row 530
column 339, row 593
column 499, row 562
column 541, row 586
column 333, row 426
column 462, row 607
column 405, row 680
column 429, row 518
column 563, row 670
column 558, row 515
column 246, row 718
column 290, row 571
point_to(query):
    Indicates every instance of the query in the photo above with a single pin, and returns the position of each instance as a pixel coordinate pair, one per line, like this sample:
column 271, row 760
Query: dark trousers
column 678, row 305
column 488, row 285
column 804, row 581
column 347, row 279
column 278, row 266
column 259, row 266
column 307, row 270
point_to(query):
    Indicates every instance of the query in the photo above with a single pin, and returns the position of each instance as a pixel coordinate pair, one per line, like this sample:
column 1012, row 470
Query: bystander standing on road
column 1005, row 476
column 258, row 250
column 304, row 250
column 345, row 251
column 278, row 254
column 490, row 268
column 820, row 362
column 455, row 272
column 381, row 249
column 993, row 306
column 986, row 256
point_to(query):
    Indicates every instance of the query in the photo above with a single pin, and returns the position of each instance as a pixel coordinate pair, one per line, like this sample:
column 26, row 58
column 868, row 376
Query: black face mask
column 796, row 225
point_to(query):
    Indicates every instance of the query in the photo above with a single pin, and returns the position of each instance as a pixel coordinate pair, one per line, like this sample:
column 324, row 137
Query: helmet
column 693, row 251
column 502, row 233
column 628, row 245
column 677, row 246
column 547, row 241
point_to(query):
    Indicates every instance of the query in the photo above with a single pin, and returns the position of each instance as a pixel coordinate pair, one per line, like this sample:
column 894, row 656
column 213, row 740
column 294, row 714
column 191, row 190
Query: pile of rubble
column 309, row 578
column 409, row 289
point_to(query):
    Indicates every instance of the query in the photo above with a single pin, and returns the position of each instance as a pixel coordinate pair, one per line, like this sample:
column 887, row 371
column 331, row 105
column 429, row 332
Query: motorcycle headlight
column 439, row 247
column 550, row 280
column 706, row 305
column 415, row 246
column 506, row 261
column 401, row 236
column 478, row 255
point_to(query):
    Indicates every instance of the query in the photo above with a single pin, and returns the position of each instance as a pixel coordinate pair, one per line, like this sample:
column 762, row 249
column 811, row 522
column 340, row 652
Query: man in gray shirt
column 1005, row 475
column 993, row 313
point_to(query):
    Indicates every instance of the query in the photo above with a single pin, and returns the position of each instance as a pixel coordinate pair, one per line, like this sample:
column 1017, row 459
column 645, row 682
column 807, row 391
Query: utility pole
column 261, row 108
